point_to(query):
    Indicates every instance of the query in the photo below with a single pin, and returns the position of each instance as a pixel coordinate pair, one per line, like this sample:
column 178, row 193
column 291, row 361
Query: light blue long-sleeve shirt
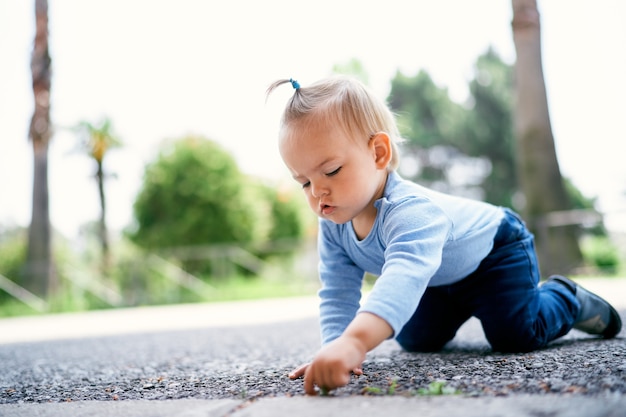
column 420, row 238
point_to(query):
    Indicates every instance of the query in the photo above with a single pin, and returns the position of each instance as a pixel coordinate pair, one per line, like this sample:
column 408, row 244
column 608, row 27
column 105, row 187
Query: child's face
column 341, row 176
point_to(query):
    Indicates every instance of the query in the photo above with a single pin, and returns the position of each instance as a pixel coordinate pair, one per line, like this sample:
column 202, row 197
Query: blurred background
column 163, row 182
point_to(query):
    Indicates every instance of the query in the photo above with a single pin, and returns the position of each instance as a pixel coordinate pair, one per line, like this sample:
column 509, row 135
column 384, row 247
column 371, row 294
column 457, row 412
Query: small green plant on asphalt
column 392, row 387
column 393, row 384
column 437, row 388
column 372, row 390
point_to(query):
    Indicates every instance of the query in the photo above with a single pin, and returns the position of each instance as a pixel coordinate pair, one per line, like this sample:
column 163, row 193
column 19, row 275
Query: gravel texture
column 247, row 363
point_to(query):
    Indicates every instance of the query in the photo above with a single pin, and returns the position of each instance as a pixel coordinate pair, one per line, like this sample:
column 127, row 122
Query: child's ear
column 381, row 144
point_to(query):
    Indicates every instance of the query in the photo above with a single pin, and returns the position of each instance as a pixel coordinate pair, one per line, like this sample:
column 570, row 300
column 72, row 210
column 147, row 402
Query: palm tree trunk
column 39, row 275
column 537, row 162
column 104, row 234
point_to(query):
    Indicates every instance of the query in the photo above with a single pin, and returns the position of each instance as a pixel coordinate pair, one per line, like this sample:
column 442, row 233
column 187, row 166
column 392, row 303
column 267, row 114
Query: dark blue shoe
column 596, row 315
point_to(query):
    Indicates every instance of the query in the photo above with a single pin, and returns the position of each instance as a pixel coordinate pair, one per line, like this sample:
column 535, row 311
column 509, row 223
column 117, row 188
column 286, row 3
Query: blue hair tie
column 294, row 83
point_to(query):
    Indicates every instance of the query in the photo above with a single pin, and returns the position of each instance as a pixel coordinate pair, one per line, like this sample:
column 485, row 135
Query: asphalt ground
column 231, row 359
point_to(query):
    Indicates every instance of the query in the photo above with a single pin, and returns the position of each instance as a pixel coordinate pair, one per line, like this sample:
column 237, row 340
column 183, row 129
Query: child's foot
column 596, row 315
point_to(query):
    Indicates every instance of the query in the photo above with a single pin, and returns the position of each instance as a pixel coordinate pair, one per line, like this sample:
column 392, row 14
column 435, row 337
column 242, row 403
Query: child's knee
column 421, row 345
column 515, row 343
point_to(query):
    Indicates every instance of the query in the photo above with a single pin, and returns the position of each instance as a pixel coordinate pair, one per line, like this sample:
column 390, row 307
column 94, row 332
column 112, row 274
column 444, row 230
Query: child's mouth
column 326, row 209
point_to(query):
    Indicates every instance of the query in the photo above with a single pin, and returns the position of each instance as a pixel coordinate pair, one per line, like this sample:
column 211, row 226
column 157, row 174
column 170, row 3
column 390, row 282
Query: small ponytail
column 295, row 84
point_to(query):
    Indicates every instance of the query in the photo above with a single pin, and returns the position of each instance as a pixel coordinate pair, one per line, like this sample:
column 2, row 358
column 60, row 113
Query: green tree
column 97, row 141
column 428, row 120
column 426, row 114
column 437, row 152
column 488, row 127
column 474, row 141
column 538, row 167
column 39, row 276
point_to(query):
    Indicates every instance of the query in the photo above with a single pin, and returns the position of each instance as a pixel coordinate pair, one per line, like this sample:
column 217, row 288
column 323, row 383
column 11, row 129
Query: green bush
column 194, row 195
column 288, row 212
column 65, row 295
column 12, row 255
column 599, row 252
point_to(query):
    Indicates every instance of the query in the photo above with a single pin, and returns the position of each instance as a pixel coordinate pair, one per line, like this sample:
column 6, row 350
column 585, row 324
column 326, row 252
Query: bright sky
column 164, row 68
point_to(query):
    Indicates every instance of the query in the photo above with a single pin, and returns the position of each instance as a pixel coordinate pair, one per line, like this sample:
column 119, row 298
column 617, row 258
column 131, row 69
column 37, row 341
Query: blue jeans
column 517, row 314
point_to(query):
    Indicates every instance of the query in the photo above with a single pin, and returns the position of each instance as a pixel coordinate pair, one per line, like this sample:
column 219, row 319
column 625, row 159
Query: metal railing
column 23, row 295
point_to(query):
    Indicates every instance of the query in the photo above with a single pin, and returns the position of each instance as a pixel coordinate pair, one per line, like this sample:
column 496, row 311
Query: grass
column 163, row 292
column 438, row 388
column 244, row 288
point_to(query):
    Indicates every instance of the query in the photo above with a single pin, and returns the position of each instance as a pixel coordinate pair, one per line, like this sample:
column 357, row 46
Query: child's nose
column 318, row 190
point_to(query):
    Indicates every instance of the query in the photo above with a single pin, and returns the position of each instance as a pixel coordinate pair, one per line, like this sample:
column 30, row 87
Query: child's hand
column 332, row 365
column 300, row 370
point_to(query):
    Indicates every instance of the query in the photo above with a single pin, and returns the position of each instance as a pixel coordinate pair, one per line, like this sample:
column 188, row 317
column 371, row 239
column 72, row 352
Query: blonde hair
column 345, row 102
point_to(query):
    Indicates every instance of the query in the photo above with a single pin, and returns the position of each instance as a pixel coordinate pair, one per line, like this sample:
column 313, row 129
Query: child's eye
column 335, row 172
column 306, row 184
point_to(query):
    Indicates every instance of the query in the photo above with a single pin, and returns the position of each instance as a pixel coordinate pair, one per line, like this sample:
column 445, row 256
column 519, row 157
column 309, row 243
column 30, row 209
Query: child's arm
column 332, row 365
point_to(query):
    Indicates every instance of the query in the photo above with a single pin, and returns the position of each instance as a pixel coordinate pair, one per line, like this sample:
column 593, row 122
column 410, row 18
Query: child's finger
column 309, row 383
column 298, row 372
